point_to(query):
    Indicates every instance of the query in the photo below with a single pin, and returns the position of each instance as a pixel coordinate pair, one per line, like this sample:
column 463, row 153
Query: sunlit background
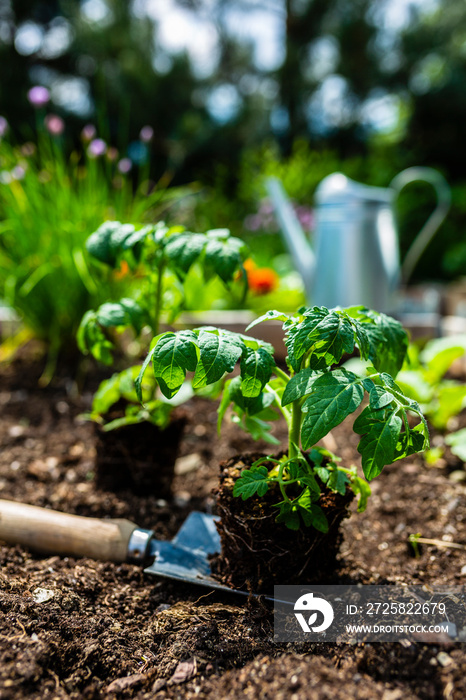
column 105, row 102
column 211, row 76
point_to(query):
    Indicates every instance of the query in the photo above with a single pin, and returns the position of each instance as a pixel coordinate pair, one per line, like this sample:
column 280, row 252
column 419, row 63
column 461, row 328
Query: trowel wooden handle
column 52, row 532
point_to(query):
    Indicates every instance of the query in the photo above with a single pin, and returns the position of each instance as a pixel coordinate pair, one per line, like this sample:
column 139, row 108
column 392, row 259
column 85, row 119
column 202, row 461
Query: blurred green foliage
column 49, row 205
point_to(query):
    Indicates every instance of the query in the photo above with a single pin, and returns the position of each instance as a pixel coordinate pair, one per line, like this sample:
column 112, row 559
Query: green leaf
column 112, row 314
column 252, row 481
column 306, row 515
column 269, row 316
column 367, row 418
column 221, row 234
column 300, row 385
column 225, row 256
column 256, row 369
column 328, row 334
column 184, row 249
column 92, row 339
column 439, row 354
column 174, row 355
column 319, row 520
column 457, row 443
column 382, row 340
column 107, row 394
column 251, row 405
column 288, row 515
column 259, row 429
column 360, row 487
column 318, row 455
column 334, row 396
column 82, row 335
column 323, row 473
column 410, row 442
column 377, row 446
column 305, row 478
column 379, row 397
column 219, row 354
column 337, row 481
column 300, row 335
column 125, row 312
column 449, row 401
column 105, row 243
column 135, row 240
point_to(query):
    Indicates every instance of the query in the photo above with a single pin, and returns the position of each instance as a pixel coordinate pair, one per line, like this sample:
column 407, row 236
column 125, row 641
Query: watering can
column 355, row 260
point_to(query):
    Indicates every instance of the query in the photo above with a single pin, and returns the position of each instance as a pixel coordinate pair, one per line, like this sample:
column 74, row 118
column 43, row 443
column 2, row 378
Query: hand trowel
column 184, row 558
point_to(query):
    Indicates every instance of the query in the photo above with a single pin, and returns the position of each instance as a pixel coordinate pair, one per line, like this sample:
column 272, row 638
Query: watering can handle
column 432, row 224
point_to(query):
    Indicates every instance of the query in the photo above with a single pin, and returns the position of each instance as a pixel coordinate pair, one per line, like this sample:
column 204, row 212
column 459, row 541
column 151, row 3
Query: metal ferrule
column 138, row 545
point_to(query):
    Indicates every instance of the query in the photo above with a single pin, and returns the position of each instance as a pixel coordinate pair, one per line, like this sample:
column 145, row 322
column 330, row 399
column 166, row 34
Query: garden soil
column 85, row 629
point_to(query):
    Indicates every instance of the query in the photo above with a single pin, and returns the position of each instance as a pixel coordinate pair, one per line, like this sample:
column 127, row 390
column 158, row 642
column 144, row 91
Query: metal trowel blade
column 185, row 558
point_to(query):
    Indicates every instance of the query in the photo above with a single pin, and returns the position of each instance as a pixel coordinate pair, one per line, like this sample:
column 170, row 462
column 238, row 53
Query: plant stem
column 280, row 374
column 280, row 482
column 295, row 430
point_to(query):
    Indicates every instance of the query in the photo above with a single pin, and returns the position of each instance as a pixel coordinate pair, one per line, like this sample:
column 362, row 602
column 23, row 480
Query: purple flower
column 265, row 207
column 88, row 133
column 125, row 165
column 96, row 148
column 3, row 126
column 18, row 172
column 38, row 96
column 54, row 124
column 146, row 134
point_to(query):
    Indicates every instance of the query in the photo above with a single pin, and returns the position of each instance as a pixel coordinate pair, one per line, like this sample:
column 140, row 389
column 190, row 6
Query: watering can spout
column 297, row 243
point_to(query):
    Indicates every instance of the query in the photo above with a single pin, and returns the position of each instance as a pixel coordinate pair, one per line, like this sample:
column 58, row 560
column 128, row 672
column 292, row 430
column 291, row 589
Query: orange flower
column 262, row 280
column 123, row 271
column 249, row 265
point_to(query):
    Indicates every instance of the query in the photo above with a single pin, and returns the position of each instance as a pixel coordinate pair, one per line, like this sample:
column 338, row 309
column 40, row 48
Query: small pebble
column 162, row 607
column 16, row 431
column 42, row 595
column 189, row 463
column 181, row 498
column 444, row 659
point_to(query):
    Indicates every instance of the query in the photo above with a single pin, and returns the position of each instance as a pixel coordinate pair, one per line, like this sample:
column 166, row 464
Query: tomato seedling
column 314, row 396
column 160, row 258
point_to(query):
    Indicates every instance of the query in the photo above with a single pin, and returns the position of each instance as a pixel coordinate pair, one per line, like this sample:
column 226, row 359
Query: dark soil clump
column 139, row 458
column 257, row 553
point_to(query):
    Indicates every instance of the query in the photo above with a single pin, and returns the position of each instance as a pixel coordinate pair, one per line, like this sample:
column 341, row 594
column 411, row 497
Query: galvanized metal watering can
column 355, row 255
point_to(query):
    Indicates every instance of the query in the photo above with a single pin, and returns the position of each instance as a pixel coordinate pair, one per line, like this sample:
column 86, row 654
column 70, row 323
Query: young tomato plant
column 159, row 257
column 314, row 396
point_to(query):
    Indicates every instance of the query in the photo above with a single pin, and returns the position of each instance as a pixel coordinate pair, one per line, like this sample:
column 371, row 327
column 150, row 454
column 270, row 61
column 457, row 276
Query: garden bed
column 108, row 630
